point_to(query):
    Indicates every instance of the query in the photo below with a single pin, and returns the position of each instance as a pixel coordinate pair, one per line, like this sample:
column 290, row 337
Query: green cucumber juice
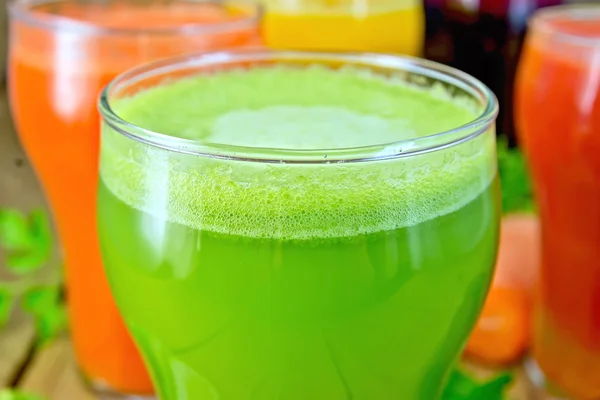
column 244, row 280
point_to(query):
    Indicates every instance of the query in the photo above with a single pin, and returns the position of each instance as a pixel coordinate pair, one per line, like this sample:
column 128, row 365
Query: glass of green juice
column 283, row 225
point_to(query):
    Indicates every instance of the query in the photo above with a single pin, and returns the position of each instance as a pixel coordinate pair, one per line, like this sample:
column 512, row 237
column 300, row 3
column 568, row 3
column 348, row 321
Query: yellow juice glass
column 396, row 26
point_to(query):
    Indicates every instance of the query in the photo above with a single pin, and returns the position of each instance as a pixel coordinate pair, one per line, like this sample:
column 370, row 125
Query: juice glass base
column 542, row 388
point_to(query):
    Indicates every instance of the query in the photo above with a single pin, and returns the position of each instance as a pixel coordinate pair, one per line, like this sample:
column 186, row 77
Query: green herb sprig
column 26, row 241
column 462, row 386
column 517, row 191
column 9, row 394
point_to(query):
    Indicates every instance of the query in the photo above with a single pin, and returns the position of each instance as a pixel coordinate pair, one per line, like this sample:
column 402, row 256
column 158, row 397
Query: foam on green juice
column 287, row 108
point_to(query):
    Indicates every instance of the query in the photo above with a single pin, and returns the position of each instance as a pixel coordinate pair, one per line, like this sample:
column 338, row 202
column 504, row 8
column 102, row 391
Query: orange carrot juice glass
column 394, row 26
column 558, row 115
column 61, row 54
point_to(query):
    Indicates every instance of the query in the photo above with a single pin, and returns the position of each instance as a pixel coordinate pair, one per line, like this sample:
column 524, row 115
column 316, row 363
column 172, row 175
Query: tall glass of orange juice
column 558, row 121
column 395, row 26
column 62, row 52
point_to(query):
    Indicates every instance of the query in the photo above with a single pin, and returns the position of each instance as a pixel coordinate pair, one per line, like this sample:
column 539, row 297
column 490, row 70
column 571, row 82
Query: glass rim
column 397, row 149
column 543, row 18
column 21, row 10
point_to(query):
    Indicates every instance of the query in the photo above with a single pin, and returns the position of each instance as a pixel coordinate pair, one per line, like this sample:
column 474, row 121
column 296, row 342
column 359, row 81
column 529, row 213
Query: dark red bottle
column 484, row 39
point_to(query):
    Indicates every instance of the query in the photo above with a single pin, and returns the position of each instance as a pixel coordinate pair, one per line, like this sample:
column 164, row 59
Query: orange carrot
column 519, row 253
column 503, row 331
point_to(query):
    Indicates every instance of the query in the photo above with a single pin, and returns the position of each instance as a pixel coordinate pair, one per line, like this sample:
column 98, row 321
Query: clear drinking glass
column 298, row 225
column 62, row 52
column 558, row 116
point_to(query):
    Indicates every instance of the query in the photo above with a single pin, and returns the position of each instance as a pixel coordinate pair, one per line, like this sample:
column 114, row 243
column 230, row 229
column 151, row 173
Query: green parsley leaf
column 14, row 230
column 463, row 387
column 27, row 244
column 46, row 306
column 26, row 240
column 492, row 390
column 9, row 394
column 38, row 299
column 6, row 305
column 517, row 192
column 24, row 262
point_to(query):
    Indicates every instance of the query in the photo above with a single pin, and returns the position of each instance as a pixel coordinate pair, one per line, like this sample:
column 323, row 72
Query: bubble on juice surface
column 282, row 107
